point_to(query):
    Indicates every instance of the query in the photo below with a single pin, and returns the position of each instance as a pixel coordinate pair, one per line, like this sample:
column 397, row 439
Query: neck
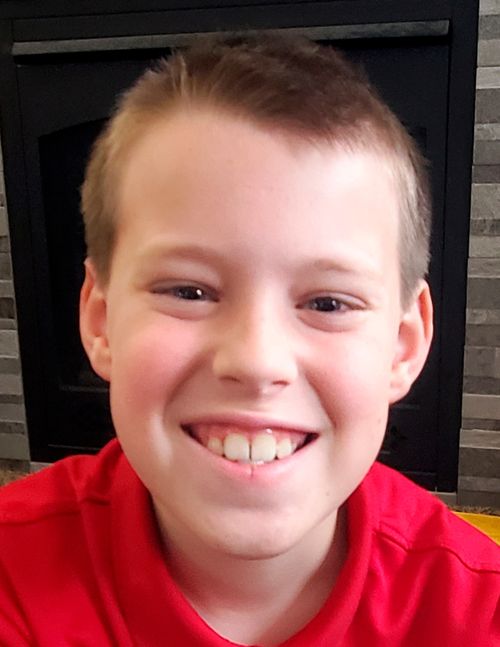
column 262, row 601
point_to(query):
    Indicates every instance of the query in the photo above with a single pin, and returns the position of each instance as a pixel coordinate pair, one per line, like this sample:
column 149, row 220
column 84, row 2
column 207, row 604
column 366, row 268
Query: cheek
column 354, row 382
column 150, row 359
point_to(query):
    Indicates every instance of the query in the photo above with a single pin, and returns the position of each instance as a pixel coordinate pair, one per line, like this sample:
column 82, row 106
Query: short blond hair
column 283, row 82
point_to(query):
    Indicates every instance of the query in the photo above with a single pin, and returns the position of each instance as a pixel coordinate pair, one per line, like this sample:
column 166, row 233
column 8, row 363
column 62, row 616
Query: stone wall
column 13, row 438
column 479, row 466
column 479, row 482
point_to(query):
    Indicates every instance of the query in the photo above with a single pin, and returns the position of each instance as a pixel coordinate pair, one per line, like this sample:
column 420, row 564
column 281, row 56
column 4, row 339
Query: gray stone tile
column 482, row 336
column 485, row 227
column 10, row 365
column 6, row 288
column 489, row 7
column 487, row 152
column 484, row 293
column 4, row 244
column 479, row 362
column 474, row 461
column 488, row 106
column 482, row 425
column 481, row 406
column 8, row 344
column 488, row 78
column 14, row 446
column 487, row 132
column 5, row 266
column 488, row 52
column 485, row 201
column 8, row 324
column 478, row 316
column 486, row 174
column 479, row 438
column 12, row 427
column 478, row 484
column 7, row 310
column 12, row 412
column 484, row 247
column 473, row 384
column 484, row 268
column 449, row 498
column 11, row 397
column 489, row 27
column 11, row 385
column 4, row 226
column 478, row 499
column 496, row 362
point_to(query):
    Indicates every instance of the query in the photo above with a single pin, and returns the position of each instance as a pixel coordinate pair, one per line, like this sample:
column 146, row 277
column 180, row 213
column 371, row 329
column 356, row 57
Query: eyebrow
column 187, row 252
column 208, row 256
column 343, row 266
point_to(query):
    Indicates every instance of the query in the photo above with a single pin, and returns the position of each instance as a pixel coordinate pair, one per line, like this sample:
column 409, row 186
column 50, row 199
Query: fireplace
column 61, row 74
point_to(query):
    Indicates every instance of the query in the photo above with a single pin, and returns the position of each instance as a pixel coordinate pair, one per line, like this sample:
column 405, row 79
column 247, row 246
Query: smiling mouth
column 256, row 446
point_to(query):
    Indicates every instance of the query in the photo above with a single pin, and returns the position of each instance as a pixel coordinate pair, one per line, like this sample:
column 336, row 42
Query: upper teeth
column 261, row 448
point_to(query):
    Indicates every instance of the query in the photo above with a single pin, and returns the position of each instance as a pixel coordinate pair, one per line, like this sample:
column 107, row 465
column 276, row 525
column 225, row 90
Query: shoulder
column 59, row 489
column 57, row 548
column 416, row 522
column 425, row 568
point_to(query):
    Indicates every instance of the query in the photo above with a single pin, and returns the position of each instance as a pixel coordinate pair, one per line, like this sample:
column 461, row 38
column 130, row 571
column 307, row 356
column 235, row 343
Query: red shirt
column 81, row 565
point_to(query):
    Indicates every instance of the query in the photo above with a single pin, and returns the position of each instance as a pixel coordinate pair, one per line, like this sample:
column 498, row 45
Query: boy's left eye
column 189, row 293
column 325, row 304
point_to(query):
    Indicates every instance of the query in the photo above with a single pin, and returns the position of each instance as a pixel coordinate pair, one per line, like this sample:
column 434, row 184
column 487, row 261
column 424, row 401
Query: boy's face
column 254, row 286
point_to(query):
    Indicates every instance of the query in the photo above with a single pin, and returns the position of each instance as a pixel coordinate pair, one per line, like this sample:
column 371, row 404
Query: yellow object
column 488, row 524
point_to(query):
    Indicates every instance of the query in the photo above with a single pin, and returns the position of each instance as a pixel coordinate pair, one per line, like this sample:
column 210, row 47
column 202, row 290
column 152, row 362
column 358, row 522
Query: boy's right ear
column 93, row 322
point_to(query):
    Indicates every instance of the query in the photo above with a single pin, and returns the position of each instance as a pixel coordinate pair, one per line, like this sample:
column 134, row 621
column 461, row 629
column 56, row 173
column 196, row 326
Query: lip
column 250, row 422
column 261, row 475
column 264, row 474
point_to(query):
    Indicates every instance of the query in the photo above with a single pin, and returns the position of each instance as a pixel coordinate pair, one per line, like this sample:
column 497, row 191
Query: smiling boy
column 257, row 225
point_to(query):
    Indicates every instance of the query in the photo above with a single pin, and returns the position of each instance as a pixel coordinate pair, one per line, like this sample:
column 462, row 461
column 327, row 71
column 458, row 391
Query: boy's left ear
column 414, row 340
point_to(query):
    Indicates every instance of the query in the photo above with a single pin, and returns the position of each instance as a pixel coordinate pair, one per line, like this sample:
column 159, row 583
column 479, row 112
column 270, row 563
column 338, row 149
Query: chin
column 254, row 549
column 255, row 541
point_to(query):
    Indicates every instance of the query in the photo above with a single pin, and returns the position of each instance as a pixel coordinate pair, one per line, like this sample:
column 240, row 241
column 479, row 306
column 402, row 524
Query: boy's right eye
column 185, row 292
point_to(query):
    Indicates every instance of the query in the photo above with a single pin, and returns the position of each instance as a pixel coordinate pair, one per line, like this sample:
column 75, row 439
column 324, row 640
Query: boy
column 257, row 225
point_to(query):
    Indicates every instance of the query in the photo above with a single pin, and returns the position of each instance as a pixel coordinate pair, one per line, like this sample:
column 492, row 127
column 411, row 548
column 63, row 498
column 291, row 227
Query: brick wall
column 479, row 482
column 479, row 466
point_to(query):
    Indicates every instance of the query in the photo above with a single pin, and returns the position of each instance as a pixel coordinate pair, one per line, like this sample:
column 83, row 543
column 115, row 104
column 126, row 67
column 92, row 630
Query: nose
column 255, row 351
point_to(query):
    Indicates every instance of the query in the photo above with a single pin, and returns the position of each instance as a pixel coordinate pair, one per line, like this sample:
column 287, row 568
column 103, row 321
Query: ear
column 93, row 328
column 414, row 340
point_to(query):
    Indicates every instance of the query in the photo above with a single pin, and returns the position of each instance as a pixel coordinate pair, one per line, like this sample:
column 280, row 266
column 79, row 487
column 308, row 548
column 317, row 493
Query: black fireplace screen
column 64, row 97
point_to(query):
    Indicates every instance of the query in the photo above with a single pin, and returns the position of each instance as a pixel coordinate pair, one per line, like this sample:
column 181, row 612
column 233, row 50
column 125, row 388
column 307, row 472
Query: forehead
column 211, row 173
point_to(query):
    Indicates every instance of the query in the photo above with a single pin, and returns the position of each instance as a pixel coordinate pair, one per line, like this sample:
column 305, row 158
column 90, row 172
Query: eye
column 189, row 293
column 326, row 304
column 185, row 292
